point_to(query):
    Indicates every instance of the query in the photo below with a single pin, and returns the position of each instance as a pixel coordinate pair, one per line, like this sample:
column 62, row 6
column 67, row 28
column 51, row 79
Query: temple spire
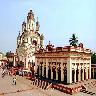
column 37, row 25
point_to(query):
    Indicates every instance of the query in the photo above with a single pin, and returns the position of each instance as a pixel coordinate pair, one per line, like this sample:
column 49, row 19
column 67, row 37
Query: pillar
column 79, row 73
column 25, row 62
column 83, row 72
column 62, row 71
column 86, row 72
column 93, row 73
column 56, row 71
column 43, row 68
column 46, row 68
column 36, row 65
column 69, row 70
column 90, row 68
column 75, row 75
column 39, row 68
column 51, row 71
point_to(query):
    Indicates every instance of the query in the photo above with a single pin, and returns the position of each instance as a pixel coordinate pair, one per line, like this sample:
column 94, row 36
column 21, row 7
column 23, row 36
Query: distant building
column 3, row 59
column 29, row 40
column 12, row 58
column 65, row 64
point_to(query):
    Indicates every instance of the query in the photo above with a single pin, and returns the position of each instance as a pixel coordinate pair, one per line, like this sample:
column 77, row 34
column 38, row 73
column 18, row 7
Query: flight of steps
column 91, row 84
column 89, row 87
column 41, row 84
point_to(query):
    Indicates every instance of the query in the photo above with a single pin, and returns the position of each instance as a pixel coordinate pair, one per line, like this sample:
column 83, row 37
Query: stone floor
column 25, row 88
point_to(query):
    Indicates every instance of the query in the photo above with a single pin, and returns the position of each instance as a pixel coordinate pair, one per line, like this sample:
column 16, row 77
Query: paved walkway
column 25, row 88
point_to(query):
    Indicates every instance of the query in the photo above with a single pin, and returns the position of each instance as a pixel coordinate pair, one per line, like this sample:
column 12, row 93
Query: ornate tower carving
column 37, row 25
column 24, row 26
column 30, row 40
column 30, row 21
column 18, row 40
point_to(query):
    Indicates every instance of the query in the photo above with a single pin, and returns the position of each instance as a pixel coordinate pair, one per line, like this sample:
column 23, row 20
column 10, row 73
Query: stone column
column 86, row 72
column 93, row 73
column 75, row 75
column 26, row 65
column 90, row 68
column 46, row 68
column 69, row 70
column 39, row 68
column 35, row 65
column 83, row 71
column 79, row 75
column 43, row 67
column 62, row 71
column 51, row 71
column 56, row 71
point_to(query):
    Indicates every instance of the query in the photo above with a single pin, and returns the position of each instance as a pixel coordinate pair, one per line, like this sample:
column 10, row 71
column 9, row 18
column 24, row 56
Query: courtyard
column 25, row 88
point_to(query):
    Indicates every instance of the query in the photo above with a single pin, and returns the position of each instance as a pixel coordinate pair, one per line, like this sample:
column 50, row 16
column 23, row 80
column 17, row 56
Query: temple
column 67, row 64
column 29, row 40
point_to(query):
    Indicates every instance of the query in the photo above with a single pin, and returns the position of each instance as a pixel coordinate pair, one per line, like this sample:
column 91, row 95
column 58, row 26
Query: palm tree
column 73, row 40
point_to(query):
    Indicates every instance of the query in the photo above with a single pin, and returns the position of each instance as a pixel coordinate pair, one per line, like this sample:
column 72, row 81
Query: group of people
column 4, row 73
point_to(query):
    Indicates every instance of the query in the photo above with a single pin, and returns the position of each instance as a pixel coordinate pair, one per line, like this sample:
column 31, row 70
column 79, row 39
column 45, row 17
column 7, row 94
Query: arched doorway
column 44, row 72
column 54, row 72
column 92, row 73
column 84, row 74
column 65, row 75
column 73, row 73
column 37, row 70
column 77, row 75
column 81, row 73
column 59, row 74
column 41, row 70
column 49, row 72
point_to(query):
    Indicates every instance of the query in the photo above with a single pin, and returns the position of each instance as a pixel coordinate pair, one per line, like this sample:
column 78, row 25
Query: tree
column 93, row 58
column 73, row 40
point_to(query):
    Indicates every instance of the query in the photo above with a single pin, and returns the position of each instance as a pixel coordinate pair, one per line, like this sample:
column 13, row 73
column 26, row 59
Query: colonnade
column 55, row 70
column 60, row 70
column 80, row 72
column 93, row 72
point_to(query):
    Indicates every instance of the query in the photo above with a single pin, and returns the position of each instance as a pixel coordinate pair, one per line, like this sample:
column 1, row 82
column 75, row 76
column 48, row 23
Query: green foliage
column 73, row 40
column 93, row 58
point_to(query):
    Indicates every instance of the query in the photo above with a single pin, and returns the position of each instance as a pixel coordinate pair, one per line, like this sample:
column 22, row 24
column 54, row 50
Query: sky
column 59, row 19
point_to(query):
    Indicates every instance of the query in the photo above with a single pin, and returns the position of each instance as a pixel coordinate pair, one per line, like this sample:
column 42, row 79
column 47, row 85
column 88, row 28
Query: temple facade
column 67, row 64
column 29, row 40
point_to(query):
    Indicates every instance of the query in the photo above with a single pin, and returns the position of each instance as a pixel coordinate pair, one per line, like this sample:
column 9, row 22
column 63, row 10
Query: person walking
column 3, row 73
column 15, row 81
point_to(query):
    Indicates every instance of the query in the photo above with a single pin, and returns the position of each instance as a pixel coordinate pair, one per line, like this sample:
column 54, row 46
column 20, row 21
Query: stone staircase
column 41, row 84
column 89, row 87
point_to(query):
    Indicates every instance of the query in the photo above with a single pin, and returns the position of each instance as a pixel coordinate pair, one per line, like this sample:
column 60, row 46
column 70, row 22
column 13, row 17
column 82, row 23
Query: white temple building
column 29, row 40
column 67, row 64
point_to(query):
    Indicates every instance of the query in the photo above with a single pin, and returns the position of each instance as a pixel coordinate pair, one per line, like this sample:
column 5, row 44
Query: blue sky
column 59, row 19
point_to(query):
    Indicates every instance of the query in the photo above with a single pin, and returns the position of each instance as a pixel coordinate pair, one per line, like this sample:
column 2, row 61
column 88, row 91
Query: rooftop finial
column 37, row 19
column 49, row 42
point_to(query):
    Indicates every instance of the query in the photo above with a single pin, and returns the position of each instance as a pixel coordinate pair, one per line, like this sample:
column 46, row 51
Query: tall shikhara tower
column 29, row 40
